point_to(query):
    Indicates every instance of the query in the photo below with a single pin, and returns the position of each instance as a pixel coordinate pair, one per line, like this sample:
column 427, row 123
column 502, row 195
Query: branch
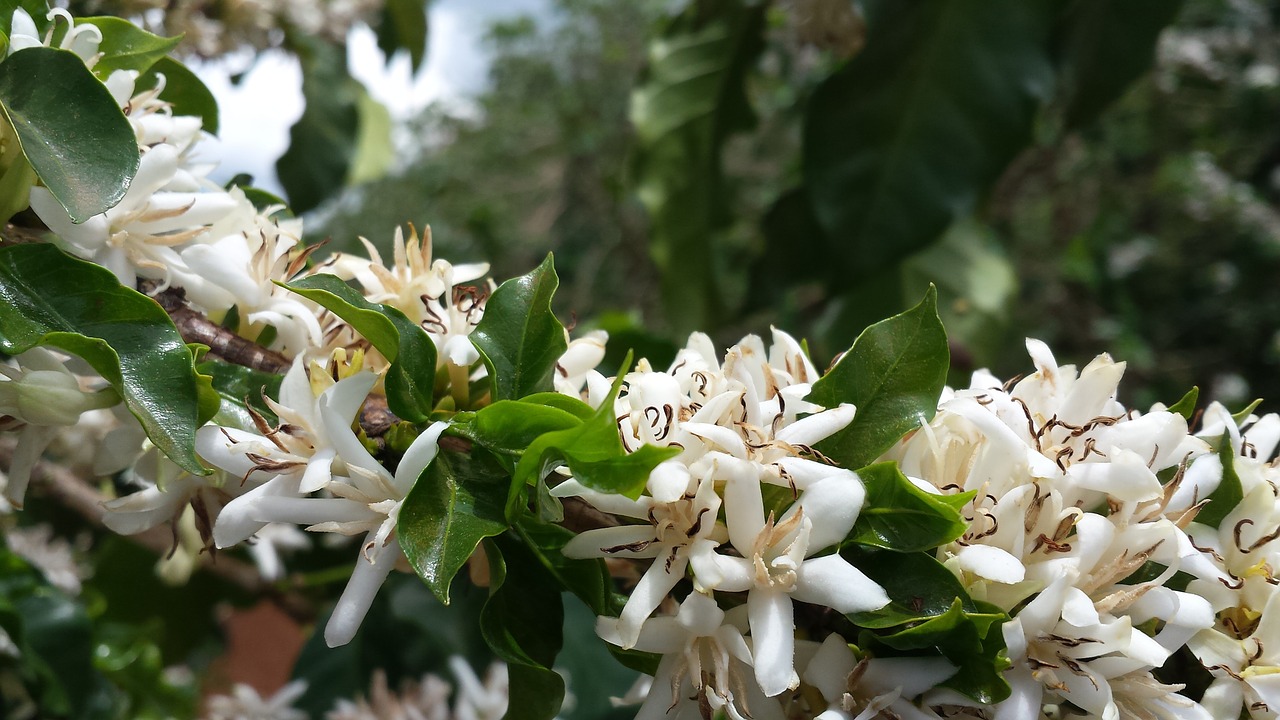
column 196, row 328
column 64, row 486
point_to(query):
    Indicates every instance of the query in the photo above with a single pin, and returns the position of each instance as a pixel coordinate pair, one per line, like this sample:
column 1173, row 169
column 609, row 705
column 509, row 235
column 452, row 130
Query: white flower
column 777, row 564
column 704, row 660
column 244, row 703
column 581, row 357
column 425, row 700
column 872, row 687
column 680, row 509
column 82, row 39
column 478, row 700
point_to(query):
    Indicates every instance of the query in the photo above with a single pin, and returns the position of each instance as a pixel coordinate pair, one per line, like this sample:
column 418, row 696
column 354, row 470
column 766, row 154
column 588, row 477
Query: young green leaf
column 519, row 337
column 51, row 298
column 523, row 623
column 510, row 426
column 184, row 90
column 411, row 378
column 1229, row 492
column 71, row 130
column 594, row 453
column 1186, row 407
column 126, row 46
column 456, row 503
column 893, row 374
column 899, row 516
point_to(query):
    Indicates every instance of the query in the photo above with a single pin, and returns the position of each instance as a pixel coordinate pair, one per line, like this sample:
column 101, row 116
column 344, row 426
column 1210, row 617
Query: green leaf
column 1103, row 46
column 1229, row 492
column 901, row 517
column 972, row 641
column 457, row 502
column 894, row 375
column 403, row 26
column 919, row 587
column 78, row 142
column 519, row 336
column 1244, row 414
column 588, row 579
column 375, row 153
column 126, row 46
column 50, row 298
column 693, row 98
column 1186, row 407
column 510, row 426
column 523, row 623
column 911, row 133
column 239, row 388
column 594, row 453
column 322, row 143
column 185, row 91
column 411, row 378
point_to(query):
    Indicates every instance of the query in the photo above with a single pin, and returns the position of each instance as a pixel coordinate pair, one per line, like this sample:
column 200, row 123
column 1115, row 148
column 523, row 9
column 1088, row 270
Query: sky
column 255, row 115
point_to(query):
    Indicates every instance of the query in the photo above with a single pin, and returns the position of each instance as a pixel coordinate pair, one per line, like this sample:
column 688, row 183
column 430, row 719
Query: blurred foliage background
column 1101, row 175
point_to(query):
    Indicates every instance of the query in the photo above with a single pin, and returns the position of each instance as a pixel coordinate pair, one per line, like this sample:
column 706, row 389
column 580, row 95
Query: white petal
column 818, row 426
column 363, row 586
column 832, row 582
column 652, row 589
column 419, row 455
column 832, row 505
column 595, row 543
column 991, row 563
column 772, row 640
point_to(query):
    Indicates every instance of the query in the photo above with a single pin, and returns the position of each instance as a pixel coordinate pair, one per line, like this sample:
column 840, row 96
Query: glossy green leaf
column 519, row 336
column 1186, row 407
column 919, row 587
column 911, row 133
column 899, row 516
column 894, row 374
column 51, row 298
column 972, row 641
column 322, row 143
column 522, row 622
column 239, row 388
column 693, row 98
column 74, row 135
column 510, row 426
column 183, row 90
column 1229, row 492
column 403, row 26
column 594, row 453
column 126, row 46
column 457, row 502
column 410, row 380
column 1103, row 46
column 588, row 579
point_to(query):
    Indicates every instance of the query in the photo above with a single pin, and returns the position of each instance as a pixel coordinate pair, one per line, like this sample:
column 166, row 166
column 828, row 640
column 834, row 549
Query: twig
column 196, row 328
column 65, row 487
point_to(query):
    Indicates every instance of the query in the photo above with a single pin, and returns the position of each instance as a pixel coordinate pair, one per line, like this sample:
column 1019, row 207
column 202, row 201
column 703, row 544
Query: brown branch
column 65, row 487
column 196, row 328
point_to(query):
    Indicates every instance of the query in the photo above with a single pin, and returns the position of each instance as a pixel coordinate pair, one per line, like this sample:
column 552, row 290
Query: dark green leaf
column 1186, row 407
column 971, row 641
column 1229, row 492
column 403, row 26
column 919, row 587
column 588, row 579
column 50, row 298
column 71, row 130
column 692, row 100
column 519, row 337
column 322, row 143
column 1102, row 47
column 909, row 134
column 894, row 374
column 457, row 502
column 239, row 387
column 126, row 46
column 899, row 516
column 184, row 91
column 523, row 623
column 411, row 378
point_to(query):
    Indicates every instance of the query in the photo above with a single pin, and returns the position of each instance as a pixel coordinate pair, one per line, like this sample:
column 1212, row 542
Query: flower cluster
column 745, row 434
column 1098, row 530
